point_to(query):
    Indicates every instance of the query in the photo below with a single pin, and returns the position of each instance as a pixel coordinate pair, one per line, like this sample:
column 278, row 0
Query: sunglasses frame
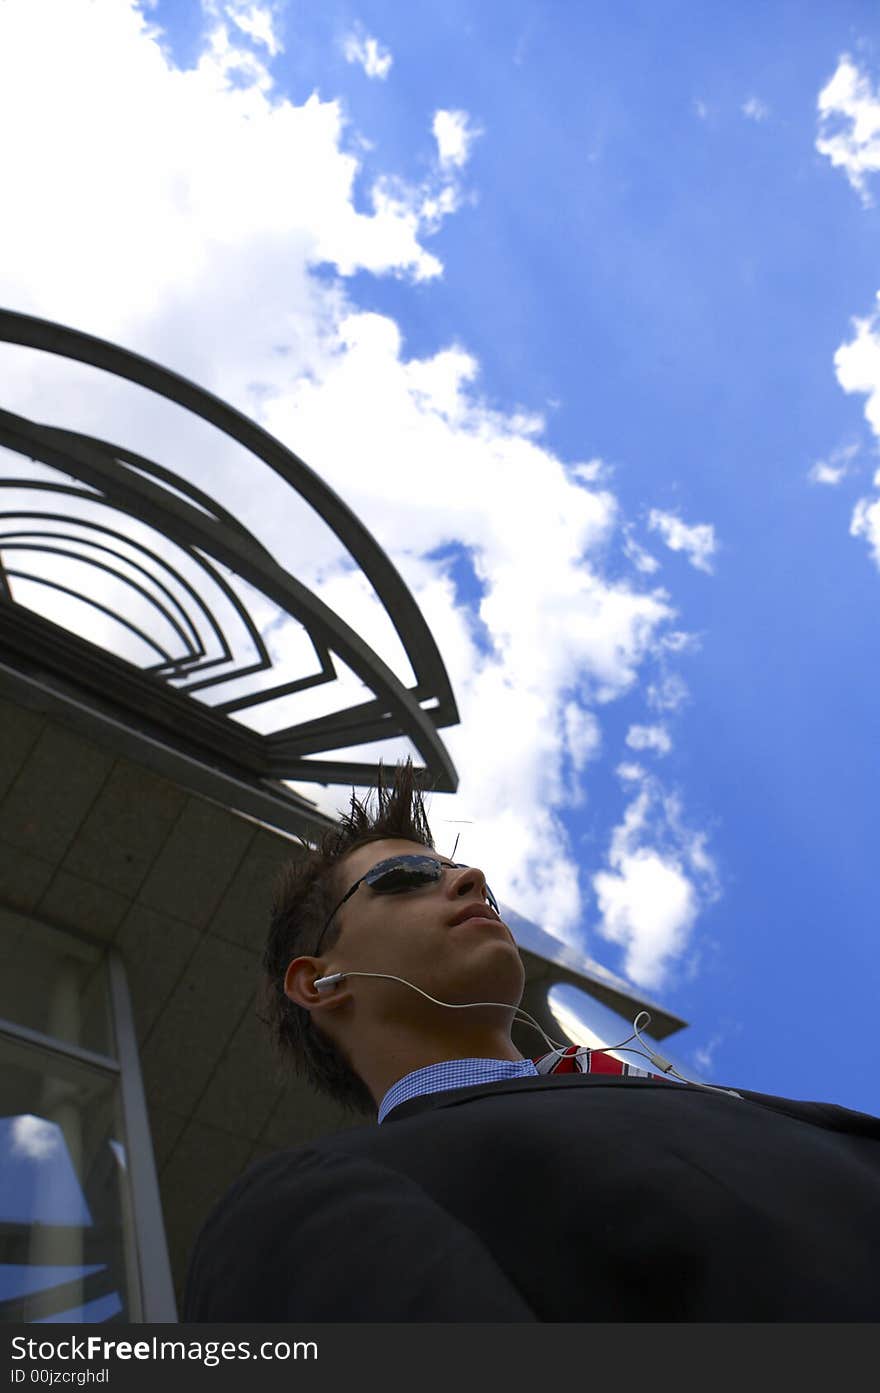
column 376, row 873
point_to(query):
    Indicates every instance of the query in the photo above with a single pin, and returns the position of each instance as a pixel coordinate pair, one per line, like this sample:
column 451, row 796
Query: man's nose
column 468, row 881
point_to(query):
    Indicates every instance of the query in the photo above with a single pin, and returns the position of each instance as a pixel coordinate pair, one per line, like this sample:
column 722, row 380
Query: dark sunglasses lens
column 408, row 872
column 403, row 874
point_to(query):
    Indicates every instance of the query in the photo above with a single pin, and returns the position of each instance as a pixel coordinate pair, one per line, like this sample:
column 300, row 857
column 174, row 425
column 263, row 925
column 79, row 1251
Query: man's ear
column 299, row 985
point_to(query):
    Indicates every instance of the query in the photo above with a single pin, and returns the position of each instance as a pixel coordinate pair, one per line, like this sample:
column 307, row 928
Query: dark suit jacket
column 571, row 1197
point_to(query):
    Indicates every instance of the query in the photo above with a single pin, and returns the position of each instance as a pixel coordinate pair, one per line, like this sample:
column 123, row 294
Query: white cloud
column 583, row 736
column 649, row 738
column 704, row 1055
column 755, row 109
column 696, row 541
column 202, row 211
column 866, row 523
column 591, row 471
column 641, row 559
column 849, row 125
column 701, row 109
column 455, row 136
column 374, row 59
column 581, row 742
column 629, row 772
column 668, row 693
column 648, row 906
column 857, row 364
column 849, row 120
column 835, row 468
column 196, row 183
column 676, row 641
column 255, row 20
column 659, row 878
column 34, row 1137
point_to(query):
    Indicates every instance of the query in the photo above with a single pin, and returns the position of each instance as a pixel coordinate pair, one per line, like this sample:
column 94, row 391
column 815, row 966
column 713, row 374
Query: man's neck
column 388, row 1065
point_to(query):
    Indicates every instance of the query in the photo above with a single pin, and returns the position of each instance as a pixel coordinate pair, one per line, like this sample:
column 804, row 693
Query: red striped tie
column 578, row 1059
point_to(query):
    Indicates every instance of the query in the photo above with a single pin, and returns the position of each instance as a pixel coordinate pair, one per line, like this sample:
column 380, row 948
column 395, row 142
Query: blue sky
column 588, row 321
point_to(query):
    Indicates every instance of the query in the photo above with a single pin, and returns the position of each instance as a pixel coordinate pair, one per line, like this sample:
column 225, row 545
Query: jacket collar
column 454, row 1097
column 828, row 1115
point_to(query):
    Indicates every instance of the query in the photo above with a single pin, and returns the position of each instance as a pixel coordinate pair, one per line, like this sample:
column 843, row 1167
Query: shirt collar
column 453, row 1073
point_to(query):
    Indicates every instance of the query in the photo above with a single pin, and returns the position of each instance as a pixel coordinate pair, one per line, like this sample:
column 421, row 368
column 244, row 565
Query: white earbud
column 323, row 984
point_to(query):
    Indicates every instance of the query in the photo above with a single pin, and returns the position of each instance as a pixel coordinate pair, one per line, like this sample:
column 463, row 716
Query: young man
column 483, row 1189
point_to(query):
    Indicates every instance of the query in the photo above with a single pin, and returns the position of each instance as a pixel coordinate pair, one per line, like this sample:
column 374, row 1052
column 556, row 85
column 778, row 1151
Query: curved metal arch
column 100, row 462
column 196, row 640
column 7, row 545
column 93, row 604
column 95, row 499
column 396, row 709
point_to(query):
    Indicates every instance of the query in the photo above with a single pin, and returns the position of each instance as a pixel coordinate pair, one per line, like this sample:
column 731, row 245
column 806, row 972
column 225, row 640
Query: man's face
column 411, row 934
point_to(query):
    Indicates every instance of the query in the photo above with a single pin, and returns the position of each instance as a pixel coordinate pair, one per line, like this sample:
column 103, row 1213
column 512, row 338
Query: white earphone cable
column 652, row 1056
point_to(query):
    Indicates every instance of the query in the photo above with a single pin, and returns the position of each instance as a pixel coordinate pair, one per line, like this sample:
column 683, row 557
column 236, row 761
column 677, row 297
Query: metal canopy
column 176, row 586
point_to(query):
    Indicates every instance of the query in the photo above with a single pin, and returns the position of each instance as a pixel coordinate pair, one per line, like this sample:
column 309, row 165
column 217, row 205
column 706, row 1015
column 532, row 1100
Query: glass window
column 54, row 983
column 67, row 1250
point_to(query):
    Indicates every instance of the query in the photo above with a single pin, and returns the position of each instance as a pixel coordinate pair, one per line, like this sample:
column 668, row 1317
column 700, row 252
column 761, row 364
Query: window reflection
column 66, row 1244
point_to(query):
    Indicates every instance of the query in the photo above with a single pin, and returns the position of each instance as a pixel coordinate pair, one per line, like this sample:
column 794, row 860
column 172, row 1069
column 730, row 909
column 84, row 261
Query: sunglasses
column 401, row 873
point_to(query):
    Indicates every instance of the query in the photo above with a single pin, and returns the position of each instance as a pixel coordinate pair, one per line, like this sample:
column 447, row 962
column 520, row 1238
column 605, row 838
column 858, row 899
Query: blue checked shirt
column 453, row 1073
